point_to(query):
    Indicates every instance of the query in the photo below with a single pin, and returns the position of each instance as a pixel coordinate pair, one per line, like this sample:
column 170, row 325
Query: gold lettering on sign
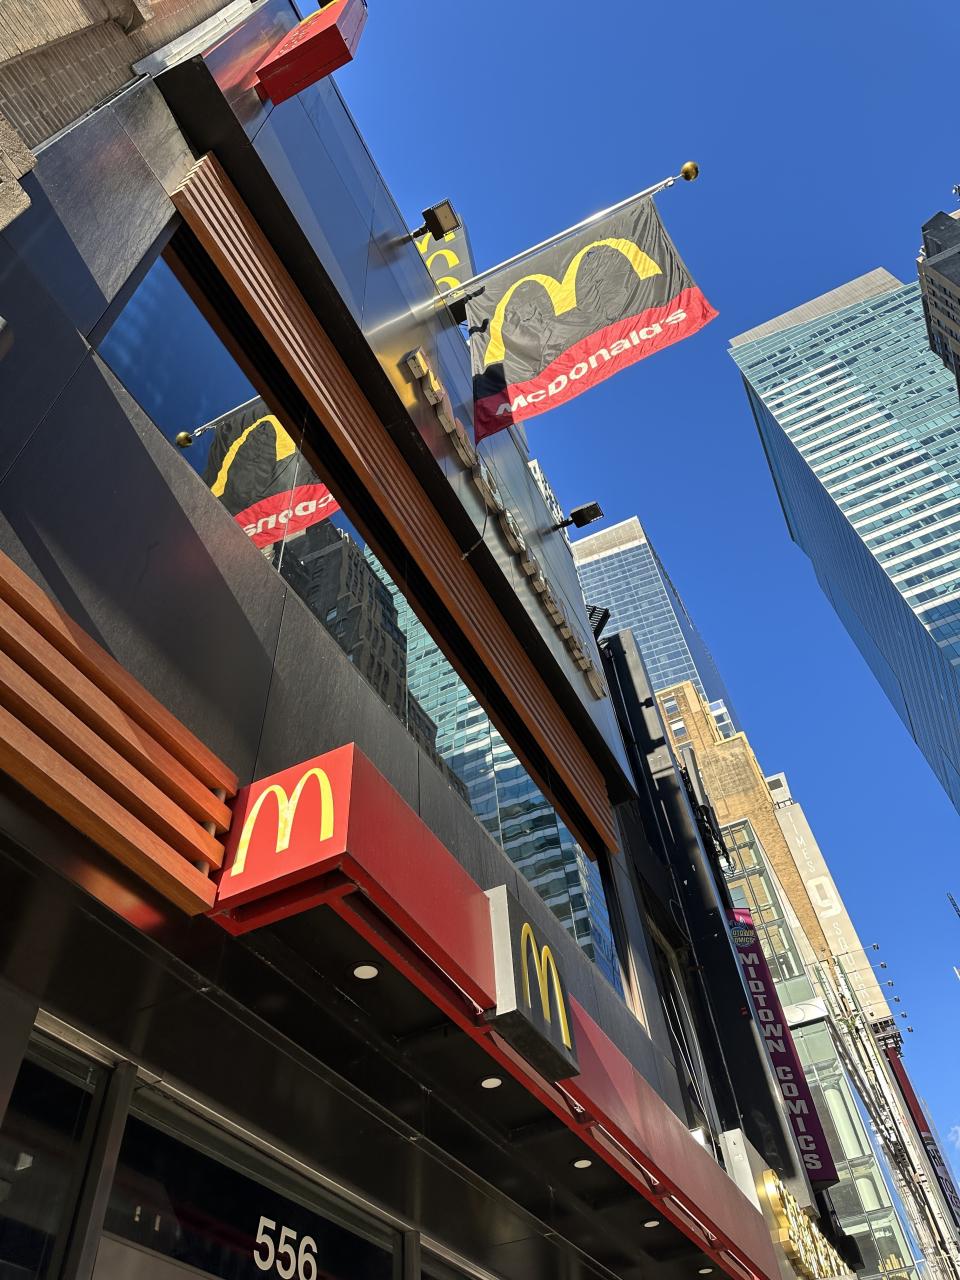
column 810, row 1253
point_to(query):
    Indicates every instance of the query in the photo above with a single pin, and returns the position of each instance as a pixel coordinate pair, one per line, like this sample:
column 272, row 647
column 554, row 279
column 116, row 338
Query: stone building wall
column 61, row 58
column 738, row 789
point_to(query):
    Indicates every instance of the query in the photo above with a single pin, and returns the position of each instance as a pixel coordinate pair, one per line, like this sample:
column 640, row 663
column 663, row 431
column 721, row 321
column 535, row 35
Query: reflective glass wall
column 864, row 1197
column 861, row 428
column 179, row 371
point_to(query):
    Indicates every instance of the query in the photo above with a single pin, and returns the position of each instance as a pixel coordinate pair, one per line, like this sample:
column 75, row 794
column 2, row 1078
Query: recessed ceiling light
column 491, row 1082
column 365, row 972
column 654, row 1222
column 705, row 1271
column 582, row 1164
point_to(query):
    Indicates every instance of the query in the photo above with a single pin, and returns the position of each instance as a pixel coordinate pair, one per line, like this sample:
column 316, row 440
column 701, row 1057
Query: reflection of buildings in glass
column 620, row 570
column 503, row 796
column 863, row 1197
column 939, row 267
column 330, row 573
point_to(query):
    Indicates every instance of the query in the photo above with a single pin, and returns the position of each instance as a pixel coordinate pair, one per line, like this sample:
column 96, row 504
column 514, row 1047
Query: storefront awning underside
column 369, row 1084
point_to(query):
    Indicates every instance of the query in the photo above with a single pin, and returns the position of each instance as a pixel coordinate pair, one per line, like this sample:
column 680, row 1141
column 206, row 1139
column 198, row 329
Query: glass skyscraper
column 620, row 571
column 861, row 429
column 502, row 794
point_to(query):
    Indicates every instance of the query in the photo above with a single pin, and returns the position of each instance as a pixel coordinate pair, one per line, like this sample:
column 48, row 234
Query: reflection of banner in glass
column 450, row 260
column 260, row 476
column 768, row 1011
column 576, row 313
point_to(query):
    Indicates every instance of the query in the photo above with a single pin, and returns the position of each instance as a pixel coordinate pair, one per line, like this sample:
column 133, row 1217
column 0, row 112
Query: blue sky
column 826, row 134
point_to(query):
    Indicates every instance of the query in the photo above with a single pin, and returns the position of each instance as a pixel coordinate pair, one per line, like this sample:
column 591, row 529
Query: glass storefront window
column 170, row 1198
column 176, row 367
column 41, row 1160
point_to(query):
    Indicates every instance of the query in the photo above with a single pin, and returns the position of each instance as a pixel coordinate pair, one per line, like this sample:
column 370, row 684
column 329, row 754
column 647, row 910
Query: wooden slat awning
column 83, row 736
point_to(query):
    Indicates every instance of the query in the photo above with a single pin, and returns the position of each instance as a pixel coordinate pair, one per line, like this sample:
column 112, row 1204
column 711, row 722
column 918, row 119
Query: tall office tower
column 502, row 794
column 620, row 570
column 939, row 269
column 861, row 428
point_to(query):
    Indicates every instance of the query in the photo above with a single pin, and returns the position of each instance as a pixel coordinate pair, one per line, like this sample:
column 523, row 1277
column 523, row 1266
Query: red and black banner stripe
column 576, row 313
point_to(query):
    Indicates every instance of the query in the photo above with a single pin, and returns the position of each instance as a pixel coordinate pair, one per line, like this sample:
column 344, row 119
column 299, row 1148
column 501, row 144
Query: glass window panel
column 846, row 1122
column 846, row 1199
column 174, row 1200
column 869, row 1193
column 177, row 368
column 41, row 1157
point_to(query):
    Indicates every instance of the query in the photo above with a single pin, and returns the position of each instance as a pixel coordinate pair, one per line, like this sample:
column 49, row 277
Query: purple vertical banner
column 768, row 1011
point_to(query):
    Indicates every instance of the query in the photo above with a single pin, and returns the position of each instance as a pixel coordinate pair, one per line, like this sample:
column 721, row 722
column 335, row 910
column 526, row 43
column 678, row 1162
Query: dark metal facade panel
column 101, row 511
column 45, row 350
column 88, row 179
column 18, row 1012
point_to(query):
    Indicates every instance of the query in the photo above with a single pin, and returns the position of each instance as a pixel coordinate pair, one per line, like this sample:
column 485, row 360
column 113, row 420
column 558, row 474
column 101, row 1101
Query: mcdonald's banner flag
column 256, row 470
column 581, row 310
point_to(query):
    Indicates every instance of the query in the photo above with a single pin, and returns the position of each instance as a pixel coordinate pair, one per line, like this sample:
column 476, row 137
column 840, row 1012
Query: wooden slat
column 81, row 696
column 76, row 742
column 46, row 774
column 27, row 599
column 248, row 263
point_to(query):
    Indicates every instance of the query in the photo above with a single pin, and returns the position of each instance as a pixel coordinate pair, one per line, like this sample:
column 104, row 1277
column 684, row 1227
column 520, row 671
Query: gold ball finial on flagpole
column 689, row 171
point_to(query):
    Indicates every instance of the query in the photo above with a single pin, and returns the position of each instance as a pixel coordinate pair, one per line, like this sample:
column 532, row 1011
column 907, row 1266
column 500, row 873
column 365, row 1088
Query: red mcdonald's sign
column 320, row 45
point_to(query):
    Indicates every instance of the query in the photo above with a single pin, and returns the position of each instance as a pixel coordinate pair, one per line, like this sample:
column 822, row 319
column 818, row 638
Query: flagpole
column 688, row 173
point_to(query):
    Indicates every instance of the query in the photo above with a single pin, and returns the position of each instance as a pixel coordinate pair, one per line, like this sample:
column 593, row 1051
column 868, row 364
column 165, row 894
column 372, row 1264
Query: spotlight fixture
column 582, row 1164
column 439, row 220
column 366, row 972
column 491, row 1082
column 580, row 517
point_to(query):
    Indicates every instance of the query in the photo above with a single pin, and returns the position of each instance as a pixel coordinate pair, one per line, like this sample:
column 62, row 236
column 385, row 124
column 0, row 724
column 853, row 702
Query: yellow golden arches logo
column 546, row 968
column 285, row 447
column 563, row 293
column 286, row 812
column 448, row 256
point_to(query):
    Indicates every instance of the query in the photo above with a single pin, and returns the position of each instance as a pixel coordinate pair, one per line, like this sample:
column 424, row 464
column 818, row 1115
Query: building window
column 41, row 1158
column 180, row 372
